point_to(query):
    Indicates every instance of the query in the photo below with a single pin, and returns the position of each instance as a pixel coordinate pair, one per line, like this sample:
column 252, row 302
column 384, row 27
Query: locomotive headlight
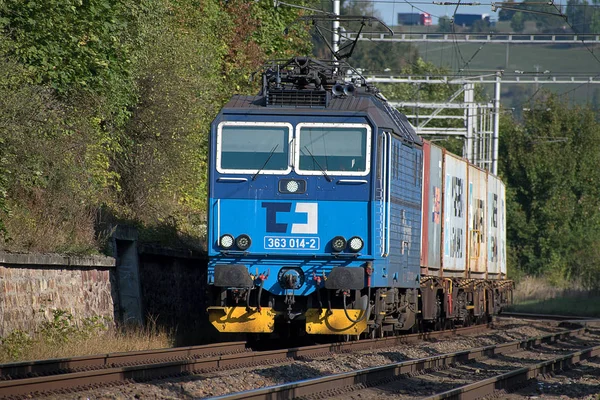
column 226, row 241
column 292, row 186
column 355, row 243
column 338, row 243
column 243, row 242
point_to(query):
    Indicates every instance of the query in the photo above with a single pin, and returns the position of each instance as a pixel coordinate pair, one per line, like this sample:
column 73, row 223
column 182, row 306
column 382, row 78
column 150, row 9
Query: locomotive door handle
column 389, row 190
column 383, row 192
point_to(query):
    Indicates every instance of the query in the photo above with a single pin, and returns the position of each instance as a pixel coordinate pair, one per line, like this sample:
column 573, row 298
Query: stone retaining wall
column 32, row 285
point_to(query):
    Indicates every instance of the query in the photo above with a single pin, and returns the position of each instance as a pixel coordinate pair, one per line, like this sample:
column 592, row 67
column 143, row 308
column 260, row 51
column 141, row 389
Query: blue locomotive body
column 315, row 201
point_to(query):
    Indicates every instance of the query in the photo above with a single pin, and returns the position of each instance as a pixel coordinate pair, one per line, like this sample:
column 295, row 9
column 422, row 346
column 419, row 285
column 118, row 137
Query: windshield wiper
column 318, row 165
column 266, row 162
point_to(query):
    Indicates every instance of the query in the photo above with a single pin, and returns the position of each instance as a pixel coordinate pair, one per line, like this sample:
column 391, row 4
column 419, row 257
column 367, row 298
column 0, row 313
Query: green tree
column 428, row 93
column 444, row 24
column 552, row 187
column 517, row 23
column 200, row 57
column 507, row 14
column 582, row 16
column 374, row 57
column 105, row 105
column 546, row 15
column 481, row 25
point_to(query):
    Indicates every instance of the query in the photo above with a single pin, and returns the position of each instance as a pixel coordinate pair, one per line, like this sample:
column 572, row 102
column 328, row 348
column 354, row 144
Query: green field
column 588, row 306
column 557, row 59
column 478, row 59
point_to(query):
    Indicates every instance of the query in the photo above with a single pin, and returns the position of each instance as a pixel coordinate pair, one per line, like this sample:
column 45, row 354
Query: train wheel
column 349, row 338
column 373, row 333
column 467, row 321
column 377, row 332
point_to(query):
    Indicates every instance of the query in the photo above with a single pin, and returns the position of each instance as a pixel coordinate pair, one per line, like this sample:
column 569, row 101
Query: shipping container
column 502, row 234
column 454, row 228
column 494, row 229
column 431, row 243
column 477, row 222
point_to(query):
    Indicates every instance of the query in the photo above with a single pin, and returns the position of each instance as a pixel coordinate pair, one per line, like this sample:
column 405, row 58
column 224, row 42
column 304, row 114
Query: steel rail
column 145, row 372
column 385, row 373
column 77, row 364
column 552, row 317
column 516, row 377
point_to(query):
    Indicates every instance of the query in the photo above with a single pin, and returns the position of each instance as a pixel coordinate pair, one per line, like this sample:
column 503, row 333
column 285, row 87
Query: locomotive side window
column 251, row 147
column 340, row 149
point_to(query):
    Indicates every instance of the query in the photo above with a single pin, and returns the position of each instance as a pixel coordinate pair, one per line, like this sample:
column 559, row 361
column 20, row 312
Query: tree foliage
column 583, row 16
column 430, row 92
column 553, row 183
column 375, row 57
column 105, row 106
column 547, row 16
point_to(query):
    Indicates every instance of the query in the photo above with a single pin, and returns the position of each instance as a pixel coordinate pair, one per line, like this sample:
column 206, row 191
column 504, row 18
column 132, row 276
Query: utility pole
column 470, row 120
column 537, row 72
column 496, row 133
column 336, row 28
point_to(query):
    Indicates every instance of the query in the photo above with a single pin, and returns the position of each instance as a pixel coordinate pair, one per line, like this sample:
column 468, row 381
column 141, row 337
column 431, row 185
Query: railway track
column 57, row 376
column 366, row 381
column 550, row 317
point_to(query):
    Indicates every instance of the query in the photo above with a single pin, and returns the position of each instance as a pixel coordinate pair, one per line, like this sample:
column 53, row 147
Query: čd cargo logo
column 310, row 211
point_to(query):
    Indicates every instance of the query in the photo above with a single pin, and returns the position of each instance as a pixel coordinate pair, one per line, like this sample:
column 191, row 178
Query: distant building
column 469, row 19
column 414, row 19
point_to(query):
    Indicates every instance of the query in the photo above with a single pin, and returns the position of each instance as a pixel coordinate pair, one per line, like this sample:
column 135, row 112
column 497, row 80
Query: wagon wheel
column 349, row 338
column 377, row 332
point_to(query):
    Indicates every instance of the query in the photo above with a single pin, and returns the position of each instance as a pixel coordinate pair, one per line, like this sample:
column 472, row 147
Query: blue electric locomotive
column 315, row 203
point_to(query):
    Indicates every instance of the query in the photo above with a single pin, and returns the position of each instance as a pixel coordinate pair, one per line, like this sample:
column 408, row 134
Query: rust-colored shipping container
column 477, row 222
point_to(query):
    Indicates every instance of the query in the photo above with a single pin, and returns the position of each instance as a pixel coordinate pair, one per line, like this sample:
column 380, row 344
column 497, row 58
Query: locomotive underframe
column 439, row 303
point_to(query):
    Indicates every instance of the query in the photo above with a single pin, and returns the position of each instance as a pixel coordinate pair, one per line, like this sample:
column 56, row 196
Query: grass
column 535, row 295
column 557, row 59
column 66, row 337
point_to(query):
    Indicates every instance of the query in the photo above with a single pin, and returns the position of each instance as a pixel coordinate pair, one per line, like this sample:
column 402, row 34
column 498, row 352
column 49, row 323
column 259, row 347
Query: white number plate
column 291, row 243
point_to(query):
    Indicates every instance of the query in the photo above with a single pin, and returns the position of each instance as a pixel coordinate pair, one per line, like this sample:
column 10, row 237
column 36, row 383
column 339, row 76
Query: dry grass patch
column 537, row 295
column 66, row 337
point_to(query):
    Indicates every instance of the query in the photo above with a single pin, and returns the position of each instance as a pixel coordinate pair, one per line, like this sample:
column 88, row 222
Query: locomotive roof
column 362, row 103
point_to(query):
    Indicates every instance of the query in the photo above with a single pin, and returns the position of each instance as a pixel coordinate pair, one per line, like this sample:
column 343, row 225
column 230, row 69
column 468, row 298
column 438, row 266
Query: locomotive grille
column 297, row 98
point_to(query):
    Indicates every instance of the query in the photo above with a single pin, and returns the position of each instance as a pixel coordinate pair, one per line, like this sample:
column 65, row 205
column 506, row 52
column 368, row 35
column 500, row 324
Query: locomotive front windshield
column 266, row 148
column 248, row 148
column 332, row 148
